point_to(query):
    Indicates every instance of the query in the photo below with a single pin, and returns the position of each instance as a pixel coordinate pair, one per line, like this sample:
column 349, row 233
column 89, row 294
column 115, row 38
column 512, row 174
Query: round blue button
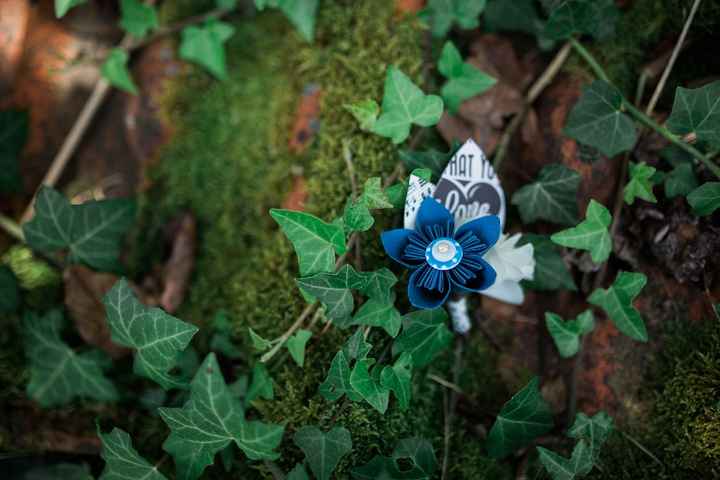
column 443, row 253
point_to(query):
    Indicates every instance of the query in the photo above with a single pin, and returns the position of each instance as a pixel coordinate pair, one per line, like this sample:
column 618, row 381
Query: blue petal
column 425, row 298
column 484, row 278
column 395, row 242
column 486, row 229
column 432, row 213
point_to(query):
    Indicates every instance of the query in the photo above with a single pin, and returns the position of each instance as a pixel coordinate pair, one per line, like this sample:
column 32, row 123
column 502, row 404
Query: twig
column 347, row 155
column 642, row 448
column 676, row 51
column 441, row 381
column 11, row 228
column 450, row 407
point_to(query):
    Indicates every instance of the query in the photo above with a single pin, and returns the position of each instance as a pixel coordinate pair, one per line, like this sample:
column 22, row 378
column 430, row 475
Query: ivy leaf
column 296, row 345
column 697, row 111
column 373, row 195
column 259, row 343
column 424, row 335
column 397, row 379
column 705, row 199
column 205, row 46
column 515, row 16
column 221, row 340
column 356, row 348
column 337, row 382
column 93, row 231
column 593, row 430
column 617, row 301
column 561, row 468
column 680, row 181
column 593, row 17
column 640, row 184
column 157, row 337
column 334, row 291
column 378, row 284
column 551, row 273
column 419, row 451
column 552, row 197
column 431, row 159
column 368, row 387
column 440, row 15
column 9, row 291
column 385, row 468
column 566, row 335
column 122, row 461
column 64, row 6
column 137, row 18
column 301, row 14
column 210, row 421
column 315, row 241
column 365, row 112
column 404, row 104
column 464, row 80
column 298, row 473
column 261, row 385
column 357, row 217
column 597, row 120
column 379, row 313
column 57, row 373
column 522, row 419
column 115, row 71
column 13, row 135
column 323, row 451
column 591, row 234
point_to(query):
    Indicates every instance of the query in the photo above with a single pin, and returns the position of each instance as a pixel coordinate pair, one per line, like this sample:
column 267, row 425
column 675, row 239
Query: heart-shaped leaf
column 261, row 385
column 705, row 199
column 561, row 468
column 379, row 313
column 552, row 197
column 137, row 18
column 323, row 451
column 617, row 301
column 442, row 14
column 296, row 345
column 640, row 184
column 368, row 386
column 115, row 71
column 122, row 461
column 424, row 335
column 697, row 111
column 205, row 46
column 594, row 430
column 591, row 234
column 566, row 334
column 397, row 378
column 365, row 112
column 464, row 79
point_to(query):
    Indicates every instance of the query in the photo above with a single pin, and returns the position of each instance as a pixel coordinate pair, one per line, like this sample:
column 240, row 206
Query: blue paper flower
column 443, row 260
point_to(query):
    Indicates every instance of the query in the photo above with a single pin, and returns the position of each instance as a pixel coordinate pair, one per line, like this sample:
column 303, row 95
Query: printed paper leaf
column 156, row 336
column 296, row 345
column 397, row 378
column 705, row 199
column 210, row 421
column 420, row 452
column 92, row 232
column 523, row 418
column 464, row 80
column 379, row 313
column 261, row 385
column 404, row 104
column 137, row 18
column 431, row 159
column 566, row 334
column 57, row 373
column 591, row 234
column 680, row 181
column 323, row 451
column 697, row 111
column 205, row 46
column 551, row 272
column 115, row 71
column 640, row 184
column 64, row 6
column 365, row 112
column 424, row 335
column 315, row 241
column 122, row 461
column 561, row 468
column 259, row 343
column 440, row 15
column 597, row 120
column 593, row 17
column 9, row 291
column 552, row 197
column 594, row 430
column 369, row 387
column 337, row 382
column 617, row 301
column 13, row 135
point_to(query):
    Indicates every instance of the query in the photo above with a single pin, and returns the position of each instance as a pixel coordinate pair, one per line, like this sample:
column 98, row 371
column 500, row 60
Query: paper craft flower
column 443, row 260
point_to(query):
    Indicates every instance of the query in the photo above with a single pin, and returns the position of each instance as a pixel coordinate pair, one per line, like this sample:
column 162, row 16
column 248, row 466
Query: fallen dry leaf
column 307, row 119
column 179, row 266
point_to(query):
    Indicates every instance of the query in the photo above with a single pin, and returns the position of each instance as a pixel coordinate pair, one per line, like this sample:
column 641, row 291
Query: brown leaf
column 408, row 6
column 180, row 265
column 307, row 119
column 14, row 16
column 295, row 199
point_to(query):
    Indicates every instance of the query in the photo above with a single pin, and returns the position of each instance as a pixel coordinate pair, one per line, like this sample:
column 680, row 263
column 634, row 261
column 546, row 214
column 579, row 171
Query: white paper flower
column 512, row 264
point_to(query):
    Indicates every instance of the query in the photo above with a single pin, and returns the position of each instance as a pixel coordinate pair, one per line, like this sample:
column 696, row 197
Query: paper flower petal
column 433, row 213
column 484, row 278
column 508, row 291
column 425, row 298
column 511, row 262
column 486, row 229
column 395, row 242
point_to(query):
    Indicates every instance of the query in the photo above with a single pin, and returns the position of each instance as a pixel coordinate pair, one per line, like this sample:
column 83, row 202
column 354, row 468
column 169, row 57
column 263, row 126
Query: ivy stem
column 12, row 228
column 587, row 56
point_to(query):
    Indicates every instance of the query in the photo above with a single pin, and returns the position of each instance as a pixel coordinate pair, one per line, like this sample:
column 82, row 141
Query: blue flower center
column 443, row 253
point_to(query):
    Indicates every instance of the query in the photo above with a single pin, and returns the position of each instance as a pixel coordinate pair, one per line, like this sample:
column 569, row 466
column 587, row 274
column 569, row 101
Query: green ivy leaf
column 398, row 379
column 296, row 345
column 431, row 159
column 566, row 335
column 137, row 18
column 515, row 16
column 13, row 135
column 640, row 184
column 156, row 336
column 617, row 301
column 261, row 385
column 315, row 241
column 378, row 284
column 379, row 313
column 464, row 80
column 57, row 373
column 356, row 348
column 404, row 104
column 419, row 452
column 523, row 418
column 561, row 468
column 552, row 197
column 593, row 17
column 597, row 120
column 681, row 180
column 424, row 335
column 705, row 199
column 365, row 112
column 337, row 382
column 369, row 387
column 593, row 430
column 259, row 343
column 697, row 111
column 551, row 273
column 210, row 421
column 115, row 71
column 301, row 14
column 122, row 461
column 64, row 6
column 221, row 340
column 93, row 231
column 333, row 291
column 440, row 15
column 373, row 195
column 357, row 217
column 591, row 234
column 205, row 46
column 9, row 291
column 396, row 194
column 323, row 451
column 298, row 473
